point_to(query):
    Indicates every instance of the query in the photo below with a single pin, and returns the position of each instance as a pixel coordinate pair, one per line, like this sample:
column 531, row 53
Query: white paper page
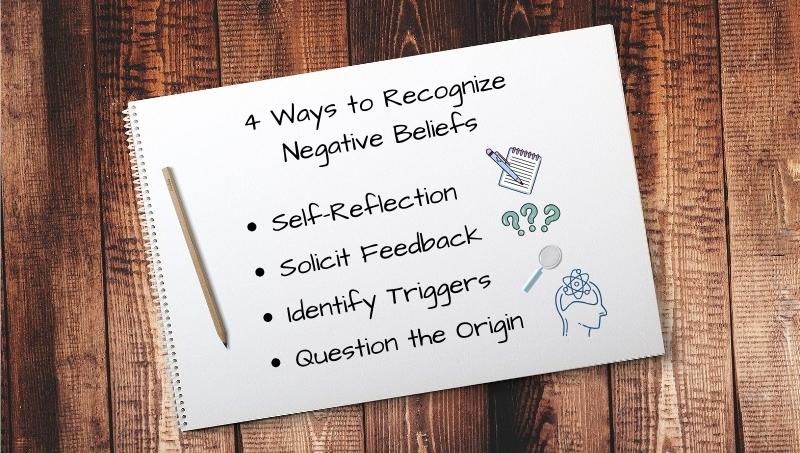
column 561, row 97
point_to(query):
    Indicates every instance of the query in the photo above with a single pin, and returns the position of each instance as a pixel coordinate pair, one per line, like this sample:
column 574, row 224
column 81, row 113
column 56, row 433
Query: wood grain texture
column 561, row 411
column 275, row 38
column 445, row 421
column 5, row 403
column 51, row 231
column 451, row 420
column 760, row 46
column 261, row 41
column 682, row 401
column 330, row 430
column 79, row 375
column 565, row 411
column 384, row 29
column 499, row 20
column 144, row 49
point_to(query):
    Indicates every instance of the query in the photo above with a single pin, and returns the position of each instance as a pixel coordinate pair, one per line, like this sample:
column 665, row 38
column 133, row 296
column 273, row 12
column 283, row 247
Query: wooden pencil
column 198, row 264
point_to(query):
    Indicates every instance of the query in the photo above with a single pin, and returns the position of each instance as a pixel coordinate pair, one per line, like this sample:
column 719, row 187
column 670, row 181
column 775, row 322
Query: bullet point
column 267, row 317
column 260, row 272
column 251, row 226
column 276, row 363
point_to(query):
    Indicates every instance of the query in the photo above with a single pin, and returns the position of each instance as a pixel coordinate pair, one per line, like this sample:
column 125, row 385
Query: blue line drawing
column 579, row 302
column 549, row 259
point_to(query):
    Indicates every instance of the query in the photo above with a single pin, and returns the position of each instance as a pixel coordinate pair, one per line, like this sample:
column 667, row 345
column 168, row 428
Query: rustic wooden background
column 713, row 92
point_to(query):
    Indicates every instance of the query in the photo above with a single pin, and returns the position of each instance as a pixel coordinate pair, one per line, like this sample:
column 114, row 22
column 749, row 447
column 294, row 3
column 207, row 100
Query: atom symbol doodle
column 577, row 284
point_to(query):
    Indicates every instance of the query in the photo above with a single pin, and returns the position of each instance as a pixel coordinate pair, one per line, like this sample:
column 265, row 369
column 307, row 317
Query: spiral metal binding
column 524, row 153
column 140, row 184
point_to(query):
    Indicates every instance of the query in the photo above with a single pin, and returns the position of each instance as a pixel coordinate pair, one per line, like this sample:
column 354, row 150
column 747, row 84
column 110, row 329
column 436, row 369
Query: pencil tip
column 225, row 343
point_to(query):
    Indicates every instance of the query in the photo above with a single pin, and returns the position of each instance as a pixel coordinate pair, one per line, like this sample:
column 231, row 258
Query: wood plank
column 330, row 430
column 451, row 420
column 683, row 401
column 144, row 49
column 5, row 404
column 384, row 29
column 277, row 38
column 760, row 47
column 560, row 411
column 51, row 214
column 262, row 41
column 499, row 20
column 445, row 421
column 566, row 411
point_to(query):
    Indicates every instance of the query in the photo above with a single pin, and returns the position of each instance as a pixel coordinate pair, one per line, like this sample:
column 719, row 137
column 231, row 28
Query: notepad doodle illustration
column 518, row 169
column 579, row 303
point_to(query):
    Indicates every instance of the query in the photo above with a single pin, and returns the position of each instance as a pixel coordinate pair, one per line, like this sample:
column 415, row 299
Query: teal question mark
column 511, row 218
column 553, row 214
column 529, row 210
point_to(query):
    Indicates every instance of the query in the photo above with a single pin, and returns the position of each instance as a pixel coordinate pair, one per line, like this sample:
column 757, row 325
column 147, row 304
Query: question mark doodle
column 553, row 214
column 511, row 218
column 530, row 211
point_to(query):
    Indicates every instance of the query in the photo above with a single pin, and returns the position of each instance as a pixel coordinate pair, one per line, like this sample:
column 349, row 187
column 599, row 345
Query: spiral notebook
column 356, row 244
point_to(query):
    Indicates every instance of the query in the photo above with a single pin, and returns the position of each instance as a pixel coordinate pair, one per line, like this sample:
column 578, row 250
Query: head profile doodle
column 579, row 303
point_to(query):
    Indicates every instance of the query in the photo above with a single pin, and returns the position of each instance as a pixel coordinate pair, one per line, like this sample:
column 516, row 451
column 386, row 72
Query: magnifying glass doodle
column 549, row 258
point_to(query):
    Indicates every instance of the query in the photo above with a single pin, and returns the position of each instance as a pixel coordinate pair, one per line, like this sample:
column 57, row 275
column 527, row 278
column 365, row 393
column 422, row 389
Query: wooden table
column 713, row 94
